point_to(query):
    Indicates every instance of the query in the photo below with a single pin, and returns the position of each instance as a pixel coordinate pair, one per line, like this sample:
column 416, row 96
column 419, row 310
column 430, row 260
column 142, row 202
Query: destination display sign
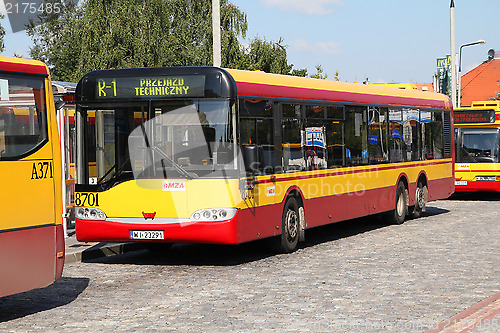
column 151, row 87
column 474, row 116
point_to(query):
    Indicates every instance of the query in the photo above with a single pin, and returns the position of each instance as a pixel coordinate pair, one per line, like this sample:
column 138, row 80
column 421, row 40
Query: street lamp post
column 217, row 61
column 453, row 73
column 481, row 41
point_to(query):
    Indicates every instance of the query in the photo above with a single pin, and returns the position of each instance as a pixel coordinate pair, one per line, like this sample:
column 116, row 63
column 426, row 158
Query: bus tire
column 420, row 200
column 290, row 226
column 397, row 216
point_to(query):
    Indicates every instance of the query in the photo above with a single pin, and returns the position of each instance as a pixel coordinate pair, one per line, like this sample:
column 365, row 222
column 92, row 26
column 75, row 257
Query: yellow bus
column 477, row 136
column 408, row 86
column 31, row 230
column 208, row 155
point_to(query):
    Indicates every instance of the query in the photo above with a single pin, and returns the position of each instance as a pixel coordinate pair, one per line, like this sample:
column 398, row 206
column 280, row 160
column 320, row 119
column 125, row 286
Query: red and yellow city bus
column 208, row 155
column 477, row 137
column 31, row 231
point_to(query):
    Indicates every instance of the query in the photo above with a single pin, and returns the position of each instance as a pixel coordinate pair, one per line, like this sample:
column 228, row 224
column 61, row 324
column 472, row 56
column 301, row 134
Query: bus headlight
column 86, row 213
column 213, row 214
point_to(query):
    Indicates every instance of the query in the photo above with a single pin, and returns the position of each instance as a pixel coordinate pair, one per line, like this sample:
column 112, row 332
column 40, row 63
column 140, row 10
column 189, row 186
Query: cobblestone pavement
column 355, row 276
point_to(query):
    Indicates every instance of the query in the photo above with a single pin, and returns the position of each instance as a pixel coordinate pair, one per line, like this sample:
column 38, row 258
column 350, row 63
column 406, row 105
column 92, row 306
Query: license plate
column 485, row 179
column 146, row 234
column 460, row 182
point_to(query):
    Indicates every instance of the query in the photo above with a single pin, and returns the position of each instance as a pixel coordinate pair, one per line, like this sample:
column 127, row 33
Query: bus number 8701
column 87, row 199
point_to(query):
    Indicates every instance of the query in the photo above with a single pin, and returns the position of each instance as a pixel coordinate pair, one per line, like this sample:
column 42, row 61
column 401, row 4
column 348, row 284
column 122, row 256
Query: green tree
column 320, row 74
column 56, row 41
column 103, row 34
column 2, row 34
column 299, row 72
column 267, row 56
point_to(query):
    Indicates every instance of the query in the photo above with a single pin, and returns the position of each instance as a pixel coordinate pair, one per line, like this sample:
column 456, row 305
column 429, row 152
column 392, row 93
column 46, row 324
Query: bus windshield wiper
column 117, row 173
column 176, row 166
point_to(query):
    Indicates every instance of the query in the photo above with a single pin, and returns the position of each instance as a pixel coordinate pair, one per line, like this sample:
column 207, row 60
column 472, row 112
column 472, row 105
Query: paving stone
column 354, row 276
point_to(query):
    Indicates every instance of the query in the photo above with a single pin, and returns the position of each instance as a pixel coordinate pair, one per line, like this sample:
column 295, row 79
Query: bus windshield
column 479, row 145
column 160, row 140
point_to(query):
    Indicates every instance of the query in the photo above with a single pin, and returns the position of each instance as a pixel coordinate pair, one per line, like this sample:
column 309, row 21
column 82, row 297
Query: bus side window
column 397, row 147
column 23, row 116
column 377, row 135
column 315, row 146
column 433, row 135
column 256, row 127
column 293, row 159
column 356, row 138
column 335, row 136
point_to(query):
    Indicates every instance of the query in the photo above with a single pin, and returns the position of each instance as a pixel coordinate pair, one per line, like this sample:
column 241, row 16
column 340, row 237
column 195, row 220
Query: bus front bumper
column 217, row 232
column 477, row 186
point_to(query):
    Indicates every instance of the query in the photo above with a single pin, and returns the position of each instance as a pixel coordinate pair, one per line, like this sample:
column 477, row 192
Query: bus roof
column 284, row 86
column 228, row 82
column 19, row 65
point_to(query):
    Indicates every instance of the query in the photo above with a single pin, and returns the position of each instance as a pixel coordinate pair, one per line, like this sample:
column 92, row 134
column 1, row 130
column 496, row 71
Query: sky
column 382, row 40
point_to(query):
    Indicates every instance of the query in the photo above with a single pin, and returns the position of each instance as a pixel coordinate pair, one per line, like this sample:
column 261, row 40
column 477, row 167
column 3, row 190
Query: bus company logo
column 149, row 215
column 174, row 185
column 271, row 191
column 463, row 166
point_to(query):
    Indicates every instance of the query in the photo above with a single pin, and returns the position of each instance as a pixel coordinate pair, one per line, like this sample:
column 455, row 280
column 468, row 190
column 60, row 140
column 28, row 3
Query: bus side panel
column 259, row 222
column 27, row 259
column 440, row 188
column 321, row 211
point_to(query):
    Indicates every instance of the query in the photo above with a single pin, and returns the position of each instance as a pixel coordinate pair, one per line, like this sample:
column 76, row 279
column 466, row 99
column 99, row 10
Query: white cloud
column 318, row 7
column 330, row 48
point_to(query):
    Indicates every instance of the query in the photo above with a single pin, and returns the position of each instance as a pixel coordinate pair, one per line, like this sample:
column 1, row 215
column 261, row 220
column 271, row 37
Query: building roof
column 482, row 83
column 425, row 86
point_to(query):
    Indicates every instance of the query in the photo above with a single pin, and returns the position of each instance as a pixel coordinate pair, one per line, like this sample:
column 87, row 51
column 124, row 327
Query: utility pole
column 453, row 55
column 216, row 33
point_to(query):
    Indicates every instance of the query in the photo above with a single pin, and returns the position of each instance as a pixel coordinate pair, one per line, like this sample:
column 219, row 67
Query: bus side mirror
column 59, row 104
column 253, row 156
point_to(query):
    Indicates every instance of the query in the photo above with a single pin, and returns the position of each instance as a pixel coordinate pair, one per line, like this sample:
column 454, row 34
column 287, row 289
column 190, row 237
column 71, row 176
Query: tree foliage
column 269, row 57
column 2, row 34
column 103, row 34
column 320, row 74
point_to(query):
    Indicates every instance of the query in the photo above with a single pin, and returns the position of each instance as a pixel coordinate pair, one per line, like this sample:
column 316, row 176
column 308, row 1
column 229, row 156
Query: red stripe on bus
column 348, row 172
column 272, row 91
column 476, row 171
column 23, row 68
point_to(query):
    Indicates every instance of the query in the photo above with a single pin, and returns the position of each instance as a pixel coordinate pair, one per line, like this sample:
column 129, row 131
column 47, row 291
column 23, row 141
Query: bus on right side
column 477, row 138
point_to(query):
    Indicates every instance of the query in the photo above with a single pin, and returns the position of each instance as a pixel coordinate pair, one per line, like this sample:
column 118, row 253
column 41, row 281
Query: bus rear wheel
column 420, row 200
column 290, row 227
column 397, row 216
